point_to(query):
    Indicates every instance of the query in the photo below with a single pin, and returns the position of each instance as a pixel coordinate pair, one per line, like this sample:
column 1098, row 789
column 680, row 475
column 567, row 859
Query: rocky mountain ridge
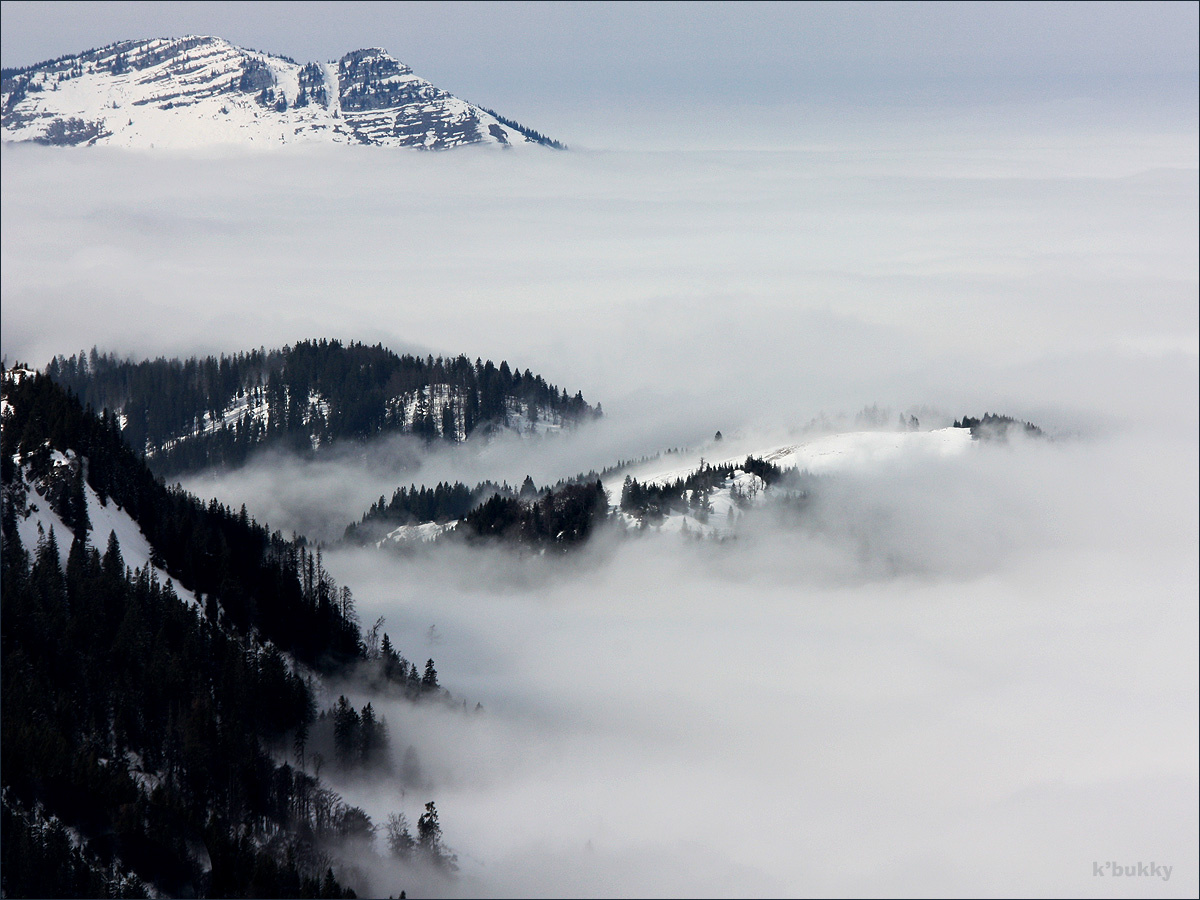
column 200, row 91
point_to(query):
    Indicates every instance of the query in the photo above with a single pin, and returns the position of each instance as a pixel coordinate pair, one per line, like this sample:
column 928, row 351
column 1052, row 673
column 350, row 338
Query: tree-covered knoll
column 651, row 501
column 446, row 502
column 186, row 414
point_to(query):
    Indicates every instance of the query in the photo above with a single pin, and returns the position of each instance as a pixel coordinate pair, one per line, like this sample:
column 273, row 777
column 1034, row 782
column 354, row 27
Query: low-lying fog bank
column 973, row 674
column 950, row 676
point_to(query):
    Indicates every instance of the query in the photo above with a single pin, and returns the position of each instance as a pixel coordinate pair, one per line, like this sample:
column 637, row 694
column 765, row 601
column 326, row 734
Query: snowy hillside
column 442, row 407
column 203, row 91
column 415, row 535
column 847, row 451
column 36, row 519
column 831, row 452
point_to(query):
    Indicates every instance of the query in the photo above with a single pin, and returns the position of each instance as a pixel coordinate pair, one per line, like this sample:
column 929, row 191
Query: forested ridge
column 564, row 515
column 449, row 502
column 185, row 414
column 994, row 426
column 143, row 732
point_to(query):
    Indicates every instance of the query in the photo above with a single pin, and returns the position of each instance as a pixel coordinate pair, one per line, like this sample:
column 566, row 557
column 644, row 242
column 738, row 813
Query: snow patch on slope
column 849, row 451
column 412, row 535
column 828, row 453
column 249, row 408
column 105, row 518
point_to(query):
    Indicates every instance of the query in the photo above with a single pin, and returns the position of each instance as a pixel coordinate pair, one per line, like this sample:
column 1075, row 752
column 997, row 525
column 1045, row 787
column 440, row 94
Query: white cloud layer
column 973, row 675
column 963, row 676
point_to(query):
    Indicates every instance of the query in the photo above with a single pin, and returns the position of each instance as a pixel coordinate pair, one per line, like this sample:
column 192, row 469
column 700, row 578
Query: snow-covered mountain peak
column 201, row 90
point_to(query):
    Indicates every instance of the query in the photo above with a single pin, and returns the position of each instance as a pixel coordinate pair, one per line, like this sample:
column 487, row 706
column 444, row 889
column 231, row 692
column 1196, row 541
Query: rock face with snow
column 203, row 91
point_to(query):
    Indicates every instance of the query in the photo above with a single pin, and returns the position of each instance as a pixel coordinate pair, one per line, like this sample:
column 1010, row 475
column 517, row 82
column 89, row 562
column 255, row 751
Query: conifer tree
column 429, row 682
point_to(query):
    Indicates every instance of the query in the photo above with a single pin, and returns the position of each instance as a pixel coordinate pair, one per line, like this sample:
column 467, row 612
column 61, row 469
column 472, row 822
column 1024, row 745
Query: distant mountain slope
column 198, row 91
column 189, row 414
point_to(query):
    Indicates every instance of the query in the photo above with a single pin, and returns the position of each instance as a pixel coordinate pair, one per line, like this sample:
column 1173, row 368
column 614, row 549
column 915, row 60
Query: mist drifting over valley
column 966, row 674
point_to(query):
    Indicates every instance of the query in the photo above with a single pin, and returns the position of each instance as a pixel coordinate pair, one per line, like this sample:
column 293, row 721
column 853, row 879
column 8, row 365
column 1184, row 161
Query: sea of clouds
column 974, row 674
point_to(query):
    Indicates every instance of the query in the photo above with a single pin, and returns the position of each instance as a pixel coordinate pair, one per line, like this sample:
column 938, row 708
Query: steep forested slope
column 144, row 723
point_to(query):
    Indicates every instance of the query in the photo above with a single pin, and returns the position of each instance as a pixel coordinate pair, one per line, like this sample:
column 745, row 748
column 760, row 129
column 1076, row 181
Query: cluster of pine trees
column 442, row 503
column 654, row 500
column 427, row 845
column 301, row 398
column 398, row 670
column 447, row 502
column 528, row 132
column 134, row 719
column 360, row 739
column 562, row 517
column 997, row 427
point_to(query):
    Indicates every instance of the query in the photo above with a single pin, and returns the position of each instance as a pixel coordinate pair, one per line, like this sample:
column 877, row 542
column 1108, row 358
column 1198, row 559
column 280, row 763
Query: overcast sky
column 527, row 54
